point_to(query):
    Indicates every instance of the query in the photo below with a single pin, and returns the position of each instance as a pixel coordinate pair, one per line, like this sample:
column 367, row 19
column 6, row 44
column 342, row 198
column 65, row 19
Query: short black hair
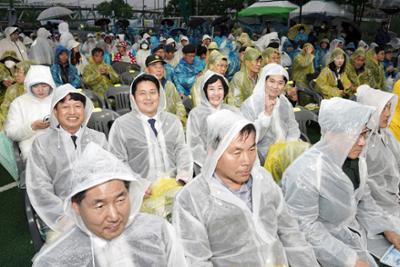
column 247, row 130
column 78, row 197
column 242, row 49
column 97, row 50
column 73, row 96
column 201, row 50
column 142, row 78
column 212, row 80
column 189, row 48
column 379, row 48
column 266, row 78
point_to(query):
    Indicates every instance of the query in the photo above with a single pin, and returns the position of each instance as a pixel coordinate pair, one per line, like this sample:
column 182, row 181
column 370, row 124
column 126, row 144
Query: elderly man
column 233, row 213
column 104, row 203
column 326, row 190
column 149, row 139
column 49, row 167
column 11, row 42
column 98, row 75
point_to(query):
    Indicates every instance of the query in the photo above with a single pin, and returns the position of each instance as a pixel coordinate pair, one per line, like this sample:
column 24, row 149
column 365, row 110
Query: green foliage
column 120, row 8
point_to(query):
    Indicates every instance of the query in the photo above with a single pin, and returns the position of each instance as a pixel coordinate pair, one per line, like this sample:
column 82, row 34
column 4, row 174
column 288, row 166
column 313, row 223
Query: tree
column 120, row 8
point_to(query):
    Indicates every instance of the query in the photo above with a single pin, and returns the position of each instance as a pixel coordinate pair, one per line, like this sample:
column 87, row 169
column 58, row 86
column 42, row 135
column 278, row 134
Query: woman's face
column 19, row 75
column 339, row 60
column 215, row 93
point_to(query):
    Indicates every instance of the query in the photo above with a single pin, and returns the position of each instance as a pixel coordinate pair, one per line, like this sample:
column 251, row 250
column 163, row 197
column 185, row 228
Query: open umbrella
column 123, row 23
column 263, row 8
column 195, row 22
column 167, row 22
column 102, row 22
column 294, row 30
column 177, row 31
column 320, row 8
column 54, row 12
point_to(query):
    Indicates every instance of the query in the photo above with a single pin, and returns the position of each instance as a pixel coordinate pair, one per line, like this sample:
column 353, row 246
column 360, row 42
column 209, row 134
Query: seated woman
column 214, row 89
column 62, row 71
column 333, row 81
column 29, row 114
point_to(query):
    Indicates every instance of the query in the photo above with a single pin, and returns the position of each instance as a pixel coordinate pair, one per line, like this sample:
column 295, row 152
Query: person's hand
column 39, row 124
column 309, row 50
column 390, row 68
column 147, row 193
column 393, row 238
column 7, row 83
column 360, row 263
column 269, row 104
column 103, row 70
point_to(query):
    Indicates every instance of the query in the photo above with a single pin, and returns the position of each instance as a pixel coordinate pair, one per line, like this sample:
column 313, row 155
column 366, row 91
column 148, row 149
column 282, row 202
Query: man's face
column 389, row 55
column 70, row 114
column 160, row 53
column 235, row 164
column 157, row 69
column 359, row 62
column 380, row 56
column 98, row 58
column 41, row 90
column 14, row 36
column 220, row 67
column 274, row 86
column 189, row 57
column 63, row 57
column 184, row 42
column 385, row 115
column 105, row 209
column 357, row 148
column 147, row 98
column 169, row 55
column 206, row 42
column 254, row 65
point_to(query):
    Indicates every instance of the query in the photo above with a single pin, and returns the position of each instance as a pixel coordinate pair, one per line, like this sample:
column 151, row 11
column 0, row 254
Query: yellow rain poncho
column 97, row 82
column 242, row 85
column 303, row 65
column 395, row 124
column 360, row 77
column 174, row 102
column 271, row 55
column 377, row 77
column 327, row 82
column 214, row 58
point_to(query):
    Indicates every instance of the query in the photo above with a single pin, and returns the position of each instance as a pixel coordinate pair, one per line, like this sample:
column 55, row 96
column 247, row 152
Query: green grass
column 15, row 243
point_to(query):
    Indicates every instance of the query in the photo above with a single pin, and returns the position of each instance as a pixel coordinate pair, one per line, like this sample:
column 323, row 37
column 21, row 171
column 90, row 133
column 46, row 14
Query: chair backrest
column 121, row 67
column 102, row 119
column 33, row 223
column 98, row 101
column 304, row 117
column 128, row 77
column 118, row 99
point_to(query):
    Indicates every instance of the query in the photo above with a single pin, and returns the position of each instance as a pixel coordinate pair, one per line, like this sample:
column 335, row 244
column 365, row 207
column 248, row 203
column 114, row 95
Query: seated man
column 155, row 66
column 149, row 139
column 233, row 213
column 49, row 167
column 104, row 201
column 62, row 71
column 326, row 190
column 97, row 75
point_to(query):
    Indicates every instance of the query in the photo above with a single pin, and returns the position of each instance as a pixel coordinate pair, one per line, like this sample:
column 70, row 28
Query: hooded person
column 335, row 43
column 65, row 35
column 141, row 55
column 149, row 139
column 355, row 69
column 395, row 123
column 12, row 42
column 270, row 110
column 76, row 58
column 103, row 202
column 214, row 88
column 326, row 189
column 8, row 60
column 303, row 65
column 243, row 82
column 27, row 113
column 42, row 51
column 383, row 151
column 373, row 64
column 89, row 44
column 320, row 51
column 271, row 55
column 50, row 165
column 233, row 213
column 62, row 70
column 218, row 63
column 333, row 81
column 15, row 90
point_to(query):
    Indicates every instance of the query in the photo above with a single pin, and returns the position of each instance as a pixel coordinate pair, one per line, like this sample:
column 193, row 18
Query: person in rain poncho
column 356, row 71
column 395, row 123
column 214, row 89
column 187, row 70
column 104, row 203
column 8, row 60
column 143, row 52
column 155, row 66
column 383, row 151
column 303, row 65
column 184, row 40
column 243, row 82
column 170, row 57
column 271, row 55
column 97, row 75
column 168, row 69
column 124, row 55
column 76, row 58
column 320, row 51
column 89, row 45
column 41, row 50
column 335, row 43
column 218, row 63
column 233, row 213
column 11, row 42
column 28, row 114
column 15, row 90
column 326, row 190
column 333, row 81
column 150, row 140
column 62, row 71
column 65, row 35
column 270, row 110
column 50, row 164
column 373, row 64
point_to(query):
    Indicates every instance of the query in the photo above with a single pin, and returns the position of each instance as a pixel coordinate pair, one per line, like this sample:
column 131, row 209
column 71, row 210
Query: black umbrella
column 102, row 22
column 391, row 10
column 123, row 23
column 176, row 31
column 167, row 22
column 195, row 22
column 220, row 20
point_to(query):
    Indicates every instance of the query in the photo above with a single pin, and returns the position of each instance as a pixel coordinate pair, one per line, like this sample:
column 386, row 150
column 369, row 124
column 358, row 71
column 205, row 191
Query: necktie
column 74, row 137
column 152, row 123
